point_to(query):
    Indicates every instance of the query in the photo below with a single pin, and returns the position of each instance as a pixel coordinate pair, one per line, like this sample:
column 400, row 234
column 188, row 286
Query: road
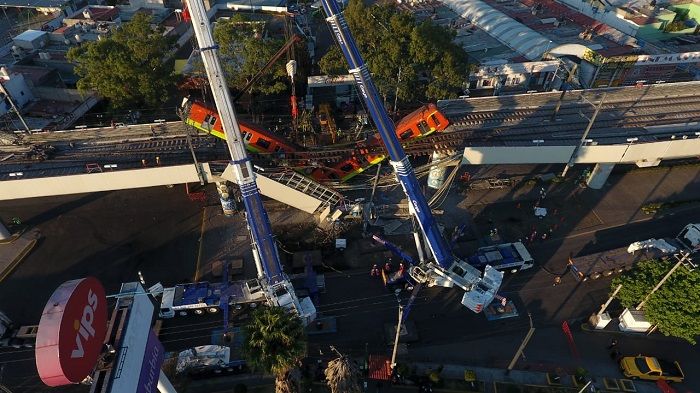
column 110, row 236
column 156, row 230
column 450, row 334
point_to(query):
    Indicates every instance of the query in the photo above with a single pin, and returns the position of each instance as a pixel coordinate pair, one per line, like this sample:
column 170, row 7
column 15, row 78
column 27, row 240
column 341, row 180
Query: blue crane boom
column 446, row 270
column 265, row 253
column 387, row 131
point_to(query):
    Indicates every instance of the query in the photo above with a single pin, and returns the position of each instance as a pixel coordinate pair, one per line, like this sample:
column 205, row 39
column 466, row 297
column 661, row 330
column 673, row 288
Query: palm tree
column 275, row 343
column 343, row 375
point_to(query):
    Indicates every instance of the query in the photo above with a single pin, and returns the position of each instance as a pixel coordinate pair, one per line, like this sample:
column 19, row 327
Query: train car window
column 406, row 134
column 243, row 134
column 435, row 120
column 277, row 149
column 247, row 137
column 423, row 127
column 206, row 119
column 346, row 167
column 212, row 120
column 263, row 143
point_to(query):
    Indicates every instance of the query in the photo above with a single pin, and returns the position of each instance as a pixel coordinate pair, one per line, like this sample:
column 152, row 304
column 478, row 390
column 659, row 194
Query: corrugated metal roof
column 507, row 30
column 379, row 367
column 56, row 4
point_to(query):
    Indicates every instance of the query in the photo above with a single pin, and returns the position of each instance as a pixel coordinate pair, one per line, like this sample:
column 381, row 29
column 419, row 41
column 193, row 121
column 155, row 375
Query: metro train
column 256, row 139
column 419, row 123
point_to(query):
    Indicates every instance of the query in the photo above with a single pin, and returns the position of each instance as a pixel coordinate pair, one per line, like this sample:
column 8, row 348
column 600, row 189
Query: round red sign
column 71, row 332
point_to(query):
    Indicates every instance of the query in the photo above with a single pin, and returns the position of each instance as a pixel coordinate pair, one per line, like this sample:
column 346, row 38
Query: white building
column 503, row 76
column 15, row 85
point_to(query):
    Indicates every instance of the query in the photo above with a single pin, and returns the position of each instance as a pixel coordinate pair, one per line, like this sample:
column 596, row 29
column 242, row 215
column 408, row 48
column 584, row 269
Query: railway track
column 529, row 116
column 604, row 131
column 625, row 113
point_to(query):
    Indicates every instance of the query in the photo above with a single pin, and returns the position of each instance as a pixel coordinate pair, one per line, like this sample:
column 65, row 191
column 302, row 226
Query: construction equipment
column 443, row 269
column 275, row 284
column 16, row 336
column 618, row 260
column 327, row 122
column 295, row 38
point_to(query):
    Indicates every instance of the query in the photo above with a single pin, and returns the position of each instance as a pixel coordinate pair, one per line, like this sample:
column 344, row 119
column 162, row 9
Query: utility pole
column 681, row 261
column 604, row 306
column 584, row 136
column 396, row 95
column 563, row 90
column 520, row 350
column 556, row 108
column 398, row 333
column 584, row 387
column 14, row 107
column 376, row 181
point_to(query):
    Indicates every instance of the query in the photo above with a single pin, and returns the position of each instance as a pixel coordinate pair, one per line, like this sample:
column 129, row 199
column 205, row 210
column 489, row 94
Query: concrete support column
column 436, row 176
column 596, row 180
column 4, row 233
column 227, row 203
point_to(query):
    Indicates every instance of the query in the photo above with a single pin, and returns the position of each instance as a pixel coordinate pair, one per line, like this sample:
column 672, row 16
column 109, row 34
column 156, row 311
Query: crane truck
column 443, row 268
column 203, row 296
column 15, row 336
column 609, row 262
column 274, row 282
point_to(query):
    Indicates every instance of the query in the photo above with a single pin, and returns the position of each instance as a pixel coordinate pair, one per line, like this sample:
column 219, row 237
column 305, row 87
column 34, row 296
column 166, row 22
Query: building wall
column 608, row 17
column 628, row 74
column 136, row 4
column 17, row 87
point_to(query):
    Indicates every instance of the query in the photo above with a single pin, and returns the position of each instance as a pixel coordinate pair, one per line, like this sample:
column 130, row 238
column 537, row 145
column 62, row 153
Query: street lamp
column 584, row 137
column 398, row 331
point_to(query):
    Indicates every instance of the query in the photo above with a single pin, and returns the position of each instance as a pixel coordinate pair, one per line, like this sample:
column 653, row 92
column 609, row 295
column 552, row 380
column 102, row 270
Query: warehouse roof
column 502, row 27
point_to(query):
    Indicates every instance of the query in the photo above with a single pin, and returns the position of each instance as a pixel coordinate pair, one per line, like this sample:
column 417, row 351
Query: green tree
column 675, row 307
column 244, row 51
column 333, row 63
column 343, row 375
column 276, row 343
column 128, row 67
column 431, row 65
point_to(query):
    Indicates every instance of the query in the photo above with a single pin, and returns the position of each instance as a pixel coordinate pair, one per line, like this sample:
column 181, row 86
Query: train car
column 351, row 166
column 417, row 124
column 256, row 139
column 421, row 122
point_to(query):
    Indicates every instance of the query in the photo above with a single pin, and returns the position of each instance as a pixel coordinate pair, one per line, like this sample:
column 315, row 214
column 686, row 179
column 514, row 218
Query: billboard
column 150, row 368
column 71, row 332
column 133, row 354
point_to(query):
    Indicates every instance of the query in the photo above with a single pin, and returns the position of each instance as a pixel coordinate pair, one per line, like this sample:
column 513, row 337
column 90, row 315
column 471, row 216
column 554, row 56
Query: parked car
column 651, row 369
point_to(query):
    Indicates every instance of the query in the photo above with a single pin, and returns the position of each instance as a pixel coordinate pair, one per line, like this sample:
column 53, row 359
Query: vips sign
column 71, row 332
column 150, row 368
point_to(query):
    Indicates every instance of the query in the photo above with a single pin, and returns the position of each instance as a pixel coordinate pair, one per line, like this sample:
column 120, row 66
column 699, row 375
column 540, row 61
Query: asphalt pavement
column 158, row 230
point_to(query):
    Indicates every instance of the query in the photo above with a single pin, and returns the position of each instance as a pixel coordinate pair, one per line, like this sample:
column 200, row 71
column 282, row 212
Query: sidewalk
column 488, row 380
column 14, row 249
column 491, row 376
